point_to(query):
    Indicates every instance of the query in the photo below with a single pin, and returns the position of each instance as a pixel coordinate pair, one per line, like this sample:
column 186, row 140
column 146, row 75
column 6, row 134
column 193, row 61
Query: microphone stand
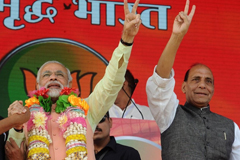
column 130, row 99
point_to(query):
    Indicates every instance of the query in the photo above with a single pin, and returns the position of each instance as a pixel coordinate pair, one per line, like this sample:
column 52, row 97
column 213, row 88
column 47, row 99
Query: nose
column 202, row 85
column 53, row 77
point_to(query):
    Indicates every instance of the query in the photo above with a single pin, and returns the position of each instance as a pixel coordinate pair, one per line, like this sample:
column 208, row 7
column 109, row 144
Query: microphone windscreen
column 136, row 81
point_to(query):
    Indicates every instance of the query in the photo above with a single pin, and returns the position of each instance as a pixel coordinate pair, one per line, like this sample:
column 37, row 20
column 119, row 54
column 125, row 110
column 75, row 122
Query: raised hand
column 132, row 22
column 22, row 113
column 183, row 20
column 16, row 107
column 180, row 28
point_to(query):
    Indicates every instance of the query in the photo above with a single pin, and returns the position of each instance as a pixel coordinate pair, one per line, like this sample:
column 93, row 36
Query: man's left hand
column 132, row 22
column 13, row 152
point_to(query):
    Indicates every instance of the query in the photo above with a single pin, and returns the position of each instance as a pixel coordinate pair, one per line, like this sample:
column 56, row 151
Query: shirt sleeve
column 162, row 100
column 16, row 136
column 134, row 154
column 145, row 111
column 235, row 154
column 106, row 91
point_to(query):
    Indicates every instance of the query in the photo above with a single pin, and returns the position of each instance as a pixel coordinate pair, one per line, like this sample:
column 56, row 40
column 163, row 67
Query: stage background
column 33, row 33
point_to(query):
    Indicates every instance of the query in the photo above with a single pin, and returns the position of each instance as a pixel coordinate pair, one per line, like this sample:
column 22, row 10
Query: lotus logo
column 78, row 80
column 19, row 68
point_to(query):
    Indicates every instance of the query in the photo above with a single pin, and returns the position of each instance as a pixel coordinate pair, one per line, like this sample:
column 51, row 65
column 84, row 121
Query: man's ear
column 110, row 122
column 126, row 87
column 125, row 83
column 70, row 84
column 184, row 87
column 37, row 86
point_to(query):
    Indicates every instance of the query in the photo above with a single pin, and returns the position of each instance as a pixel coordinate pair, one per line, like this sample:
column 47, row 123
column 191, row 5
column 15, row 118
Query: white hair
column 68, row 71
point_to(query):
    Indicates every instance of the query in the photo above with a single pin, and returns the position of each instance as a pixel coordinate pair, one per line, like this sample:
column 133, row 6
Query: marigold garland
column 31, row 101
column 72, row 124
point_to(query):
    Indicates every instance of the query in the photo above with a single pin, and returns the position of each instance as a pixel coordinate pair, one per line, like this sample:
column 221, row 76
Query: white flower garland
column 73, row 126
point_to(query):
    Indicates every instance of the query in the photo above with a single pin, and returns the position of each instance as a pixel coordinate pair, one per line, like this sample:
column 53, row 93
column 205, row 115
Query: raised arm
column 180, row 28
column 131, row 26
column 162, row 100
column 106, row 91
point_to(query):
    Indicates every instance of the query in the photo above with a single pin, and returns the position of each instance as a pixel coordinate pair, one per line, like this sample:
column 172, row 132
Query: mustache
column 54, row 82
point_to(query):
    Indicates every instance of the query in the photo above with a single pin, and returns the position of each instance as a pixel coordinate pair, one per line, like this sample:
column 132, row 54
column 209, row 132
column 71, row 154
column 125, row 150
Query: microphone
column 136, row 82
column 130, row 99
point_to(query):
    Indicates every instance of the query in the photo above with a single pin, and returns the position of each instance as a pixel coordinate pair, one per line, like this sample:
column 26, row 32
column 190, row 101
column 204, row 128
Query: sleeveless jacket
column 197, row 134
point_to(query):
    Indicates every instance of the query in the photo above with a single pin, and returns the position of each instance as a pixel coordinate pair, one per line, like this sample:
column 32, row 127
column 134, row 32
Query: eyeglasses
column 103, row 119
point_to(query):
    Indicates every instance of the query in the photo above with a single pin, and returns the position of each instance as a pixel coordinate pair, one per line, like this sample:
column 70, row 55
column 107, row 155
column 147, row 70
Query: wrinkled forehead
column 201, row 71
column 53, row 67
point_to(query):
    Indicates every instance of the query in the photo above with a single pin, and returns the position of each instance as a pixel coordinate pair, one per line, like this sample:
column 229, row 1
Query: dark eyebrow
column 208, row 78
column 196, row 77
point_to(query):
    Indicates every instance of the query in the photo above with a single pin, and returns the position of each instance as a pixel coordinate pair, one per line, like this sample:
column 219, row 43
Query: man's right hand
column 183, row 20
column 21, row 114
column 180, row 28
column 16, row 107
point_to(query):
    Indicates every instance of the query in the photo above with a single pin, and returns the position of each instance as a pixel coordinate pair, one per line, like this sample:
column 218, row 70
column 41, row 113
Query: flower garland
column 71, row 122
column 39, row 139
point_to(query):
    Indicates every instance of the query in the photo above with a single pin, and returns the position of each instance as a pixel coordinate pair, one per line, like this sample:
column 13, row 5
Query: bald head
column 196, row 64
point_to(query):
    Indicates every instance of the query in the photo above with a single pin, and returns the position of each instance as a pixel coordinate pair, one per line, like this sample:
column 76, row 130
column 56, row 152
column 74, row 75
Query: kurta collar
column 196, row 109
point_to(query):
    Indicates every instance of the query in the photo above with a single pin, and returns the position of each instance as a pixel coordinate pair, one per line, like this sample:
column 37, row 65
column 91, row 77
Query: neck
column 99, row 144
column 200, row 106
column 196, row 105
column 54, row 105
column 54, row 100
column 123, row 103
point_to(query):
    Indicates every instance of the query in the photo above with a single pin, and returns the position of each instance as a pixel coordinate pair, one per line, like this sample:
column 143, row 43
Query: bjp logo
column 18, row 70
column 79, row 81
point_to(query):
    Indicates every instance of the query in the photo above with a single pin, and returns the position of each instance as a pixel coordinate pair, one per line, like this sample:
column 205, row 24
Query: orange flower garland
column 31, row 101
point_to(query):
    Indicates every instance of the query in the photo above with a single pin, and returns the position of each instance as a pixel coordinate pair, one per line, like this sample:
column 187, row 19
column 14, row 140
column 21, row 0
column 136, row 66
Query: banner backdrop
column 83, row 34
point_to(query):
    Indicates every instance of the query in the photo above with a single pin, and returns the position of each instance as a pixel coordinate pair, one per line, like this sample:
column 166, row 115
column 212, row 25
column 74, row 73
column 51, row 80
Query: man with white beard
column 55, row 76
column 54, row 90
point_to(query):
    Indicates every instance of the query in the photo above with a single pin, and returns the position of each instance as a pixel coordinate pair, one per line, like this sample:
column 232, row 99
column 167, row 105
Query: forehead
column 200, row 71
column 54, row 67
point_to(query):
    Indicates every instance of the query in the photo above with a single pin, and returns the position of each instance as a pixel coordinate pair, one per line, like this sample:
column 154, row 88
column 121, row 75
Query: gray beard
column 53, row 92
